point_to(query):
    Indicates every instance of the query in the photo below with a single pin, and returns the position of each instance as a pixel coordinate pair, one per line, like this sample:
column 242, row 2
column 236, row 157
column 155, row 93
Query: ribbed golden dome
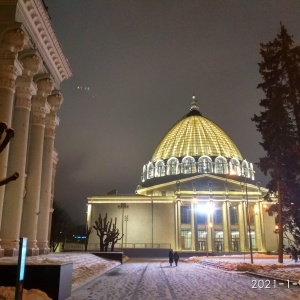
column 195, row 135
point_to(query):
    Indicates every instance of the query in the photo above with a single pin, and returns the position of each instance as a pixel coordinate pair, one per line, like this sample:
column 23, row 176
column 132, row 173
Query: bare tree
column 107, row 232
column 9, row 135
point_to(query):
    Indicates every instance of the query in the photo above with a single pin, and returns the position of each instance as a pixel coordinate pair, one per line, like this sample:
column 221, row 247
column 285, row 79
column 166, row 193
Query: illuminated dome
column 195, row 145
column 195, row 135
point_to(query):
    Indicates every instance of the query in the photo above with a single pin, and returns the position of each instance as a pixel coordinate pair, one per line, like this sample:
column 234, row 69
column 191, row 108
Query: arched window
column 172, row 166
column 221, row 166
column 245, row 169
column 235, row 168
column 150, row 170
column 160, row 168
column 204, row 164
column 251, row 171
column 188, row 165
column 144, row 176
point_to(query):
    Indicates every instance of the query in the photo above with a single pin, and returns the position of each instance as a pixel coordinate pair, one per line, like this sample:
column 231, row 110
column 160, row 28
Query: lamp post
column 126, row 220
column 122, row 206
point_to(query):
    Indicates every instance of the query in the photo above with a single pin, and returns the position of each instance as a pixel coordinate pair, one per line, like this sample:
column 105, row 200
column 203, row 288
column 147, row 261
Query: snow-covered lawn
column 264, row 265
column 88, row 266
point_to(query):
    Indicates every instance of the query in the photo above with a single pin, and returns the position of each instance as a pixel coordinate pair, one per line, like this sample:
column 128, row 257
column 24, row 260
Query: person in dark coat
column 176, row 258
column 171, row 258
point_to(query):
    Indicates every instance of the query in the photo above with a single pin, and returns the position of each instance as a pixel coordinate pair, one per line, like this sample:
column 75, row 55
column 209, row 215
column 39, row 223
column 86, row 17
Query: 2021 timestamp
column 271, row 284
column 263, row 284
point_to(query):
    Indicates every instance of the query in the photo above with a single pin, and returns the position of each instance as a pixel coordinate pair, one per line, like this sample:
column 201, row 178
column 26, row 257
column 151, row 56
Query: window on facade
column 235, row 238
column 219, row 240
column 217, row 215
column 204, row 165
column 201, row 218
column 185, row 213
column 221, row 165
column 233, row 211
column 188, row 164
column 163, row 193
column 253, row 240
column 245, row 169
column 150, row 171
column 172, row 166
column 186, row 236
column 234, row 167
column 160, row 168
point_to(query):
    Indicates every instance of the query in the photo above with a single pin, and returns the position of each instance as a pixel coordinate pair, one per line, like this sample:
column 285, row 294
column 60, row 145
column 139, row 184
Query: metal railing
column 118, row 246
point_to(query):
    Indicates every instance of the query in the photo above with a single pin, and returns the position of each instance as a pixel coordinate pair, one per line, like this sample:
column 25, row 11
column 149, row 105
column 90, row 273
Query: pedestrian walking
column 171, row 258
column 176, row 258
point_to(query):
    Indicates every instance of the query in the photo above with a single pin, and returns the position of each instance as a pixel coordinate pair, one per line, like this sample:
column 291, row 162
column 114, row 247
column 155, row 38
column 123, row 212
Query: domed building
column 197, row 193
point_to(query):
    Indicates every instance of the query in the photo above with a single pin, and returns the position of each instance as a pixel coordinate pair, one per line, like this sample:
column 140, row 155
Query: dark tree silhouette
column 9, row 135
column 61, row 227
column 279, row 125
column 107, row 232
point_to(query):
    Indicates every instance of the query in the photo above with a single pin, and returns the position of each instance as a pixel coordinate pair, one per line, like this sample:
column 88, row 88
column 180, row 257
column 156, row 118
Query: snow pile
column 264, row 265
column 8, row 293
column 85, row 267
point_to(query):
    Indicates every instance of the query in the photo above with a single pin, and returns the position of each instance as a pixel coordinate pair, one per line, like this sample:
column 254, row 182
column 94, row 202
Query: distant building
column 32, row 67
column 197, row 193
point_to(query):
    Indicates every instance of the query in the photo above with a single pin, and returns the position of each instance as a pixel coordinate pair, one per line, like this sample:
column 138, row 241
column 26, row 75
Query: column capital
column 13, row 39
column 44, row 84
column 30, row 61
column 55, row 100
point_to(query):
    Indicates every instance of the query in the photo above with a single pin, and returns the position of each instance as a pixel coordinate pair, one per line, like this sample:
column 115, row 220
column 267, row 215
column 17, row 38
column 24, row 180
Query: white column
column 12, row 41
column 210, row 233
column 46, row 183
column 193, row 233
column 257, row 227
column 14, row 192
column 31, row 210
column 242, row 227
column 226, row 227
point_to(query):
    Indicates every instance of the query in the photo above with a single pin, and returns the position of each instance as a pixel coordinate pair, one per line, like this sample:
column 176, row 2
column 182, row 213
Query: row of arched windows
column 204, row 164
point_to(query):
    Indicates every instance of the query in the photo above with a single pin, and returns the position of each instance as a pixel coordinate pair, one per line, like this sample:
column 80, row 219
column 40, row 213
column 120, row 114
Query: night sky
column 136, row 65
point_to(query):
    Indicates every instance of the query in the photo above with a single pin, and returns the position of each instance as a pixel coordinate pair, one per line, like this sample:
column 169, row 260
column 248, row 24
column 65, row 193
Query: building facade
column 32, row 67
column 197, row 193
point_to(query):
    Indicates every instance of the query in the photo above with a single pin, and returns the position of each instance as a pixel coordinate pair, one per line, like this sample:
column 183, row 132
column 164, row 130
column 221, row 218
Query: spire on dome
column 194, row 110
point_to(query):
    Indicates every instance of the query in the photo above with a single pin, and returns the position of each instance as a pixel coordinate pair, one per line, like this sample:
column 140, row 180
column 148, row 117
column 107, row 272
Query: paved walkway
column 155, row 279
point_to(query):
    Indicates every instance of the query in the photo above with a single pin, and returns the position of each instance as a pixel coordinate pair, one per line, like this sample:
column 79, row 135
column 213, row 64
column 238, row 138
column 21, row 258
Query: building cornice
column 35, row 19
column 193, row 178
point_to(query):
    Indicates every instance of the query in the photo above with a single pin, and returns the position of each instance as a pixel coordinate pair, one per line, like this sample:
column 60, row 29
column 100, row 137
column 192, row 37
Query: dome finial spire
column 194, row 105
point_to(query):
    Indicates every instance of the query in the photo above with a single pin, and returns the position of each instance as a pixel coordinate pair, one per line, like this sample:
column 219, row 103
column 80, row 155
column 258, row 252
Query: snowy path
column 155, row 279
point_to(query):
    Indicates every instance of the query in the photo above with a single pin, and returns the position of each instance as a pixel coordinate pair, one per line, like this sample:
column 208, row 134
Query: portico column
column 35, row 156
column 178, row 205
column 262, row 227
column 11, row 43
column 14, row 192
column 257, row 227
column 210, row 229
column 45, row 199
column 226, row 226
column 193, row 229
column 242, row 226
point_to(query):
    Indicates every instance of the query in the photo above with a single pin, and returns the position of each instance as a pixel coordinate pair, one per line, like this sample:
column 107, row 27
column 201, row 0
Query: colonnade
column 209, row 228
column 29, row 101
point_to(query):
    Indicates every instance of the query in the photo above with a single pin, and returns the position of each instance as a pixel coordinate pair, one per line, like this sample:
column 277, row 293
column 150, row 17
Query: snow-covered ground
column 87, row 267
